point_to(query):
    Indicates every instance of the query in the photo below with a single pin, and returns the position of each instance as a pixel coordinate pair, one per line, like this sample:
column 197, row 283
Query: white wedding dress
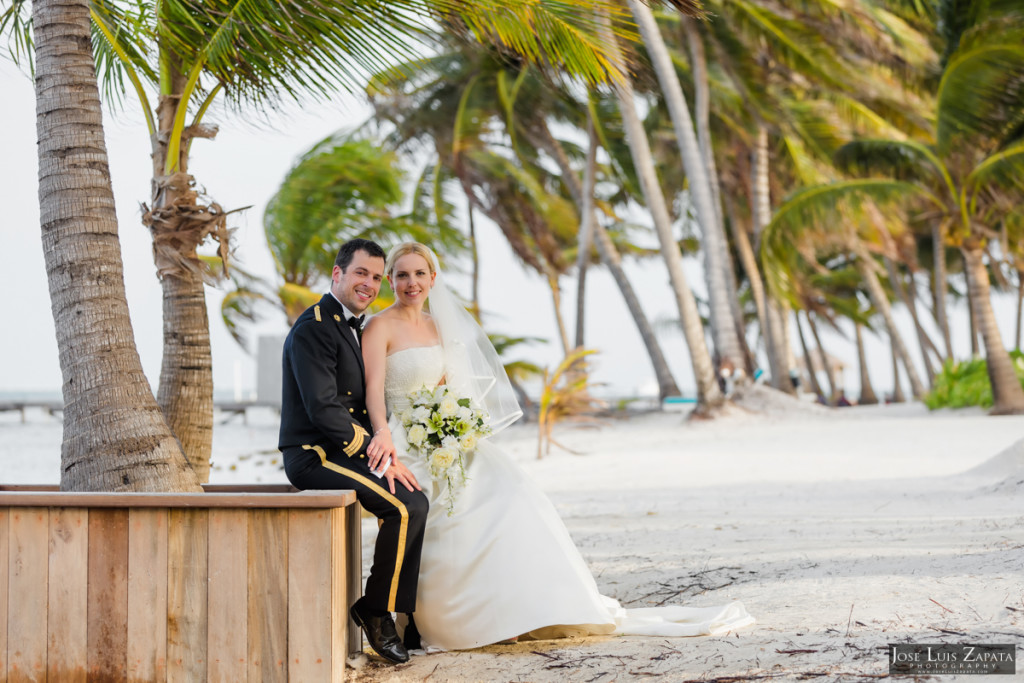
column 503, row 564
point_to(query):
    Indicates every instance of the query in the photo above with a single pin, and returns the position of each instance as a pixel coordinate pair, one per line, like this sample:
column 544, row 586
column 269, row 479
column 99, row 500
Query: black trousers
column 391, row 585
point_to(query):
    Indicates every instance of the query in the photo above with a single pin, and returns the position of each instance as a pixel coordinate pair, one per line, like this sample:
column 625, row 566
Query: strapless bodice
column 411, row 369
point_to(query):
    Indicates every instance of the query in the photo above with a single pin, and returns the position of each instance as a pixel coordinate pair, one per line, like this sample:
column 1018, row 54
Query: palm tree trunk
column 475, row 252
column 909, row 302
column 749, row 262
column 723, row 323
column 808, row 361
column 867, row 392
column 613, row 261
column 1007, row 394
column 881, row 303
column 776, row 339
column 179, row 225
column 1020, row 306
column 585, row 239
column 556, row 300
column 897, row 388
column 702, row 114
column 940, row 285
column 115, row 437
column 972, row 314
column 825, row 364
column 709, row 396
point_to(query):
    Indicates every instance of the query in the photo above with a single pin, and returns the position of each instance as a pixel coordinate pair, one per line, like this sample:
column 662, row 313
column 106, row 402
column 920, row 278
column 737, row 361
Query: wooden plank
column 354, row 571
column 27, row 594
column 249, row 488
column 268, row 595
column 187, row 575
column 228, row 603
column 302, row 499
column 309, row 595
column 4, row 563
column 68, row 618
column 340, row 588
column 107, row 636
column 147, row 595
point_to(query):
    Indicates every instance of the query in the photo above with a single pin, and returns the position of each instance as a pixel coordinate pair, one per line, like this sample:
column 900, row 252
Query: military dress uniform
column 324, row 434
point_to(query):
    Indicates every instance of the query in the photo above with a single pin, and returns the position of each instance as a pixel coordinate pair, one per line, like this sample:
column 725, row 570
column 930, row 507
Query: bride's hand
column 381, row 447
column 399, row 472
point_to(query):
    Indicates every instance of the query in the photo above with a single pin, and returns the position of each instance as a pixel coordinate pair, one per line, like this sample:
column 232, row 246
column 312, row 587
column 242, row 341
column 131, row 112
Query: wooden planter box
column 241, row 583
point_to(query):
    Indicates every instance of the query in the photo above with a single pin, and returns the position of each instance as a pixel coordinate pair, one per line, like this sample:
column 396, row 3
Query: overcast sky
column 243, row 166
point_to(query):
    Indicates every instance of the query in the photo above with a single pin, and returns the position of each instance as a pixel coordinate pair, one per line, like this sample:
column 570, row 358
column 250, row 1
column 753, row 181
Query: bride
column 502, row 565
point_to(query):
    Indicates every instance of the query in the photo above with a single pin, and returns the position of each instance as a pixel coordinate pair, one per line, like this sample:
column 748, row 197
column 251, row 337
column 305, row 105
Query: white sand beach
column 840, row 530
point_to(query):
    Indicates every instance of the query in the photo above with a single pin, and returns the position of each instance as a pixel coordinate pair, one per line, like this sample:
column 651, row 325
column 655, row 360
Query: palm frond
column 981, row 94
column 1005, row 168
column 899, row 159
column 791, row 41
column 266, row 50
column 16, row 24
column 122, row 41
column 819, row 208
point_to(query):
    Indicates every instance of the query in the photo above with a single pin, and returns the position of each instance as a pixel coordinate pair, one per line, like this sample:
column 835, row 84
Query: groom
column 325, row 431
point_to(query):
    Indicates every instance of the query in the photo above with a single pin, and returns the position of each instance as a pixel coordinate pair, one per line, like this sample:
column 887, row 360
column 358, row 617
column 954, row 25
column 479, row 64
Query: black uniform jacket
column 323, row 398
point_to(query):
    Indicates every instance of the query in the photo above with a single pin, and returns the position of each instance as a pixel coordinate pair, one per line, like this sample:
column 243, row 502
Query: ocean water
column 244, row 450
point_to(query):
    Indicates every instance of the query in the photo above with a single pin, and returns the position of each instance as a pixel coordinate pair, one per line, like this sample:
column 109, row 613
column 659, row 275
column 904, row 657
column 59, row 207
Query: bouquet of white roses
column 444, row 428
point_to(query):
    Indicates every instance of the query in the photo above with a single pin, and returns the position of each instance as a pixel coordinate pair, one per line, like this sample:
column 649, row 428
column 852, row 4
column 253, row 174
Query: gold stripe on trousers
column 386, row 495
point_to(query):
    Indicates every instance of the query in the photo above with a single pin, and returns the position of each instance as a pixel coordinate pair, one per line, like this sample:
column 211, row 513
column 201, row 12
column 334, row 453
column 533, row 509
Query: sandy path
column 822, row 525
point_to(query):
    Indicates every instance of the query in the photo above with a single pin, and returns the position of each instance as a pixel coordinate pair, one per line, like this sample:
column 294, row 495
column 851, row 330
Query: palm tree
column 115, row 437
column 257, row 54
column 968, row 178
column 723, row 316
column 771, row 63
column 709, row 395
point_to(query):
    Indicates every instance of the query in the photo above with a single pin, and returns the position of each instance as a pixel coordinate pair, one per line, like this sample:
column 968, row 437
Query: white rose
column 450, row 441
column 465, row 414
column 416, row 434
column 421, row 414
column 449, row 406
column 468, row 442
column 442, row 458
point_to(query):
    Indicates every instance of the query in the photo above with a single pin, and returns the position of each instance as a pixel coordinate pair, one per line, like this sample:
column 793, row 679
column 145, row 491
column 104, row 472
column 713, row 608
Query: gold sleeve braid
column 358, row 437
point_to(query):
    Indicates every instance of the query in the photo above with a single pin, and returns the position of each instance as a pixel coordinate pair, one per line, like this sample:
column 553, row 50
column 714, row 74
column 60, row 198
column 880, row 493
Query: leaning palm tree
column 723, row 318
column 180, row 56
column 709, row 395
column 752, row 67
column 969, row 177
column 115, row 437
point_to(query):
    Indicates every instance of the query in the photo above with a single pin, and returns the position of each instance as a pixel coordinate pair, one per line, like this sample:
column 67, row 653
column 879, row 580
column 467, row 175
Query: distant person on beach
column 325, row 431
column 498, row 563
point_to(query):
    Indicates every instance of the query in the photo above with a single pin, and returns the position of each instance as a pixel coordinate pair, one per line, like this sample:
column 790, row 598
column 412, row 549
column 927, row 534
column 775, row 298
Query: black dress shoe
column 383, row 637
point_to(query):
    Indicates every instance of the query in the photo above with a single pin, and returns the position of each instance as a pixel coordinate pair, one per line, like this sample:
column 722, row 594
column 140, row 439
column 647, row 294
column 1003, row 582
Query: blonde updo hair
column 405, row 249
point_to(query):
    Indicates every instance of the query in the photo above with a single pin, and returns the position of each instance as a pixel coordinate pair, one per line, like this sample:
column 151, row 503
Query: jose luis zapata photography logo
column 945, row 658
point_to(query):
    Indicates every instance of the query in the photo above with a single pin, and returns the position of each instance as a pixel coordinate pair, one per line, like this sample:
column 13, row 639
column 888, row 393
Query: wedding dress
column 503, row 564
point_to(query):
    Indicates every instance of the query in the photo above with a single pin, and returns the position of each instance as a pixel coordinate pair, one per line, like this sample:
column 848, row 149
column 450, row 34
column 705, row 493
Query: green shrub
column 965, row 383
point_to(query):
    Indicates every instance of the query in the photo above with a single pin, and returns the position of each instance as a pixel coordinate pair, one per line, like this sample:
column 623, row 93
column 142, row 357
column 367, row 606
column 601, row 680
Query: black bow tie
column 356, row 323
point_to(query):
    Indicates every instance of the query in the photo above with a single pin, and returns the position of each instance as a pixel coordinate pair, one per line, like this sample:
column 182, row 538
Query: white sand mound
column 1008, row 463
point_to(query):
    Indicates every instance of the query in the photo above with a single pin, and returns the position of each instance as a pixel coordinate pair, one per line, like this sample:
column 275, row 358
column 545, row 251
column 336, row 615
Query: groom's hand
column 399, row 472
column 380, row 449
